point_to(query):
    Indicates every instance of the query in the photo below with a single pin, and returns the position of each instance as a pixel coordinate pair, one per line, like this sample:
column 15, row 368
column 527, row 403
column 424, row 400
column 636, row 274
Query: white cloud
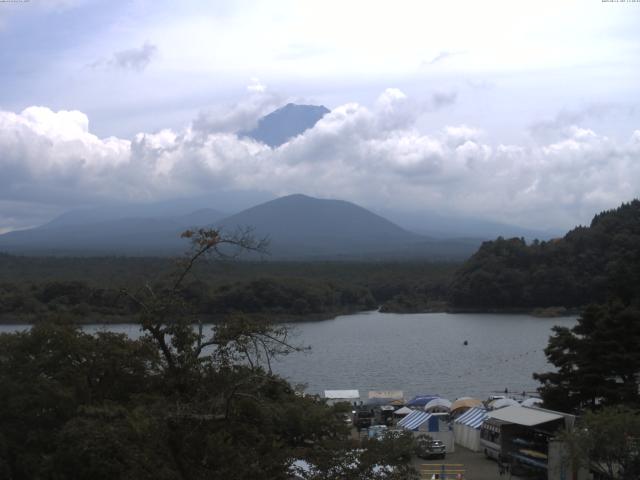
column 135, row 59
column 242, row 116
column 374, row 156
column 256, row 86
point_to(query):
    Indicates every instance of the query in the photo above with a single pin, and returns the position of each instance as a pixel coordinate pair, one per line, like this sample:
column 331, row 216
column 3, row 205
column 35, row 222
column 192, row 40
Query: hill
column 438, row 225
column 589, row 264
column 72, row 234
column 285, row 123
column 299, row 226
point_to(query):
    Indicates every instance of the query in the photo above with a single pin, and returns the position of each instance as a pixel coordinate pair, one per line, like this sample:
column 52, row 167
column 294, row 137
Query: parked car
column 427, row 447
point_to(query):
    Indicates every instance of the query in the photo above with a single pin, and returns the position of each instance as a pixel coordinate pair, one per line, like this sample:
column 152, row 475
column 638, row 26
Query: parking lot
column 470, row 465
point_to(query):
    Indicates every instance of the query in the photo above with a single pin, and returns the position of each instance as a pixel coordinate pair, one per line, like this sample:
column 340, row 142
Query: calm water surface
column 422, row 353
column 418, row 353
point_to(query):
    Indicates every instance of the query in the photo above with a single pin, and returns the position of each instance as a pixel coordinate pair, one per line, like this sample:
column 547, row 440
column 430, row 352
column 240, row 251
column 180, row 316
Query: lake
column 416, row 353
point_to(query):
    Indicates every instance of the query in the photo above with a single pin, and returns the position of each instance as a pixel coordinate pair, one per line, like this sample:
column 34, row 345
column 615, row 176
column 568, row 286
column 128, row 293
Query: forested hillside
column 588, row 265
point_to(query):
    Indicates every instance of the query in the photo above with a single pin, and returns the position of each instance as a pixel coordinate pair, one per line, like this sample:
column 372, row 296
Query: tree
column 384, row 458
column 49, row 373
column 182, row 402
column 597, row 361
column 607, row 442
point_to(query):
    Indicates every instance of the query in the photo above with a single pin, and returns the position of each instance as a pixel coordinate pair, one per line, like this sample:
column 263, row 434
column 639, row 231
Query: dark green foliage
column 90, row 288
column 589, row 265
column 78, row 406
column 387, row 457
column 49, row 373
column 179, row 403
column 290, row 296
column 597, row 361
column 606, row 442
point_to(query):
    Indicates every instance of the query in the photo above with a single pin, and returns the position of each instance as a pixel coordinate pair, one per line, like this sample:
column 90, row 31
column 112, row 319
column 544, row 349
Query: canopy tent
column 421, row 422
column 531, row 402
column 421, row 400
column 337, row 396
column 386, row 394
column 466, row 428
column 414, row 420
column 472, row 418
column 342, row 394
column 438, row 405
column 464, row 403
column 503, row 402
column 403, row 411
column 524, row 415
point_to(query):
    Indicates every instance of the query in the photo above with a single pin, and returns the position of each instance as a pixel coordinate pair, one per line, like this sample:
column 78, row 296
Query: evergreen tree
column 597, row 361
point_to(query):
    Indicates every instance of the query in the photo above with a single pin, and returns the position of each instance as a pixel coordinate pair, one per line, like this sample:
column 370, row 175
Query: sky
column 520, row 112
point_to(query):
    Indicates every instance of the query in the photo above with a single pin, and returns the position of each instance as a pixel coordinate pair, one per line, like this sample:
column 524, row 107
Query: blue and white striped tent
column 416, row 419
column 466, row 428
column 472, row 418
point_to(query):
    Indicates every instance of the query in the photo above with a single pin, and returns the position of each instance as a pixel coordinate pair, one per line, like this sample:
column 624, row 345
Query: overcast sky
column 525, row 112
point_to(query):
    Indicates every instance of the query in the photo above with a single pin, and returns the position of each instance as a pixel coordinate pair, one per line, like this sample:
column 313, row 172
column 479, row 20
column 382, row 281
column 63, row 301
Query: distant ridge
column 80, row 235
column 285, row 123
column 299, row 227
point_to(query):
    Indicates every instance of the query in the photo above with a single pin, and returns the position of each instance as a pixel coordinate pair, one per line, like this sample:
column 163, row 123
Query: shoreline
column 97, row 319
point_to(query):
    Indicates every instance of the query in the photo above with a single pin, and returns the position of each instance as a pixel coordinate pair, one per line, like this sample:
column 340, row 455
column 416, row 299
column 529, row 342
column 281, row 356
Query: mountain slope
column 77, row 235
column 589, row 264
column 302, row 226
column 285, row 123
column 437, row 225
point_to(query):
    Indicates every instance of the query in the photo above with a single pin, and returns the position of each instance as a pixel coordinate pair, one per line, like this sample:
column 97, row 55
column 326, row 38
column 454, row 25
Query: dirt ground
column 471, row 465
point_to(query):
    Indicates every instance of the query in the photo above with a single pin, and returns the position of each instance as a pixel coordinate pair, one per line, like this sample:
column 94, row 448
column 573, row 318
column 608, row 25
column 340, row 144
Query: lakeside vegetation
column 90, row 289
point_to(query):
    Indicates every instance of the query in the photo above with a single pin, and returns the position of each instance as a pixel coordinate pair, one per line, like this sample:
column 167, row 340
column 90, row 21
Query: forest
column 90, row 289
column 588, row 265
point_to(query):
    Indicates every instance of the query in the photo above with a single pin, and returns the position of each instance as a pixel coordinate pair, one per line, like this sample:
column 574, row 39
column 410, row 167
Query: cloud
column 555, row 127
column 441, row 57
column 135, row 59
column 256, row 86
column 443, row 99
column 242, row 116
column 371, row 155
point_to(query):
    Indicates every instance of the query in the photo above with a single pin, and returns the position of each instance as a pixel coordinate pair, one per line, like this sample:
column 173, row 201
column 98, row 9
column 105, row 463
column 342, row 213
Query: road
column 471, row 465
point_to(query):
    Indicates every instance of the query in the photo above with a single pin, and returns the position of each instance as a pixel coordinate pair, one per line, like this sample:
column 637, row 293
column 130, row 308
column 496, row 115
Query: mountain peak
column 281, row 125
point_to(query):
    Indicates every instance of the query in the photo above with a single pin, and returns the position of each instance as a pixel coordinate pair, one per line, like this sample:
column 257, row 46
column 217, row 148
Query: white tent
column 403, row 411
column 432, row 424
column 386, row 394
column 414, row 420
column 466, row 428
column 526, row 416
column 438, row 405
column 503, row 402
column 463, row 404
column 531, row 402
column 337, row 396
